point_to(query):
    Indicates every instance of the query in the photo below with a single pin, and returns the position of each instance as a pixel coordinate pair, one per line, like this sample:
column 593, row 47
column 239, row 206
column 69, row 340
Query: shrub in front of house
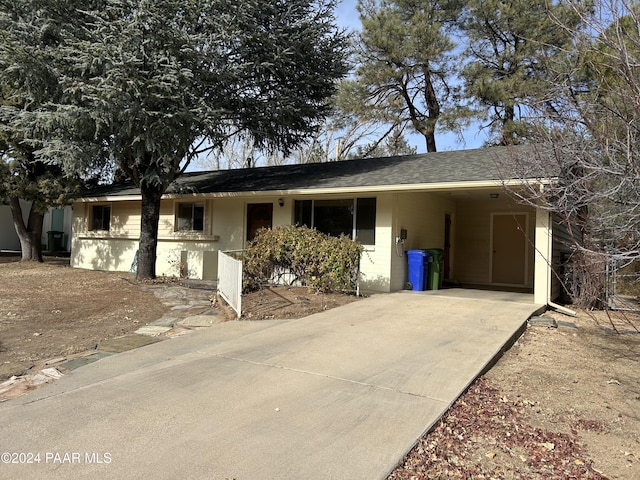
column 301, row 256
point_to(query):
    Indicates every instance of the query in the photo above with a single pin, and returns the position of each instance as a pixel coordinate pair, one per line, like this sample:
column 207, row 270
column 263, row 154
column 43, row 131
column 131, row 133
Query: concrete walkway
column 339, row 395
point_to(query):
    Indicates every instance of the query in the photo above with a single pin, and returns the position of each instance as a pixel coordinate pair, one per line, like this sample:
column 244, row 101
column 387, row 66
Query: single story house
column 454, row 200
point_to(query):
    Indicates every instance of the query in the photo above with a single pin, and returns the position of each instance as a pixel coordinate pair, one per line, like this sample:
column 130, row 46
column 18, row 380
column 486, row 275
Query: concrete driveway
column 339, row 395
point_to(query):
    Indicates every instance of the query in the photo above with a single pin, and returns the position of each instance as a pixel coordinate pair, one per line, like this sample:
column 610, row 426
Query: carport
column 489, row 240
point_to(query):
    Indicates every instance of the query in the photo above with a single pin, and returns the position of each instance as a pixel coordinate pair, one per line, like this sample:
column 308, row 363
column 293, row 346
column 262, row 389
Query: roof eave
column 441, row 186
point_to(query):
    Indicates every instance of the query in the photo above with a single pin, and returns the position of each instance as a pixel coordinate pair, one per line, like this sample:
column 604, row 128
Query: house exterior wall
column 383, row 265
column 422, row 215
column 196, row 253
column 543, row 242
column 112, row 251
column 229, row 223
column 473, row 238
column 375, row 265
column 115, row 250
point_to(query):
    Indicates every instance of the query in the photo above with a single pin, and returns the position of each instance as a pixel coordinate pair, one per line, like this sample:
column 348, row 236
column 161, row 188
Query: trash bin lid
column 421, row 253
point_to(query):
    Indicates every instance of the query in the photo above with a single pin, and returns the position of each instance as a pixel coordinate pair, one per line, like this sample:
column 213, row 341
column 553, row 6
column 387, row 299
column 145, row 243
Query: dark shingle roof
column 484, row 164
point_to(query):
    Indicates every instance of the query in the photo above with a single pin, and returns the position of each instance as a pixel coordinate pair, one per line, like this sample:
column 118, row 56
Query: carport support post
column 542, row 259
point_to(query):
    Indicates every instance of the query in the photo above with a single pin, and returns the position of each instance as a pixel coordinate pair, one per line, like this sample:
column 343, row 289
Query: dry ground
column 562, row 403
column 49, row 310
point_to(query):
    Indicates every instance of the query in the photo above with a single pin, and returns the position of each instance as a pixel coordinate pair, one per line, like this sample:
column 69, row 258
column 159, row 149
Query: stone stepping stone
column 152, row 330
column 165, row 321
column 200, row 321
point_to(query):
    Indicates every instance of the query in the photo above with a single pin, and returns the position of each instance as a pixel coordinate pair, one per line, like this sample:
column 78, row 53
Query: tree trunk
column 427, row 127
column 508, row 133
column 147, row 249
column 428, row 131
column 30, row 235
column 430, row 137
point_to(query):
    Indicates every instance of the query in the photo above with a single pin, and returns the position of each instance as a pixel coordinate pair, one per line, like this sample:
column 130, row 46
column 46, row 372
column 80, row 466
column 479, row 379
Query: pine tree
column 406, row 66
column 510, row 46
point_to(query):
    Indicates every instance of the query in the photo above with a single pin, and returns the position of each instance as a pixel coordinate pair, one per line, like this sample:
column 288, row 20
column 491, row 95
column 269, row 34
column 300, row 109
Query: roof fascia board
column 444, row 186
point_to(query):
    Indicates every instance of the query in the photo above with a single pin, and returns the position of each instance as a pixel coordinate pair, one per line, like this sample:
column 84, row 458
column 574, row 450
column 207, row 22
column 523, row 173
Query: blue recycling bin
column 418, row 269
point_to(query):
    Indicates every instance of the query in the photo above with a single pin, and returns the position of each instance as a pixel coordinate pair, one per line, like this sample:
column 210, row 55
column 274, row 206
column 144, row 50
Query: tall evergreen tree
column 158, row 79
column 29, row 84
column 406, row 67
column 507, row 58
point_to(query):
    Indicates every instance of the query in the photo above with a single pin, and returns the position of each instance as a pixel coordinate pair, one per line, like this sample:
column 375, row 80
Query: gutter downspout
column 561, row 309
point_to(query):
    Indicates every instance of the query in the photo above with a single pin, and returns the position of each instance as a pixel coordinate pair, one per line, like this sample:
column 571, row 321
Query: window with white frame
column 189, row 217
column 353, row 217
column 101, row 217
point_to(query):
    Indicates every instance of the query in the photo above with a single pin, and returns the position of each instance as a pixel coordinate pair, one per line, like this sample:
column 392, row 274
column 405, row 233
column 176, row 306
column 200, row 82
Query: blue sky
column 347, row 17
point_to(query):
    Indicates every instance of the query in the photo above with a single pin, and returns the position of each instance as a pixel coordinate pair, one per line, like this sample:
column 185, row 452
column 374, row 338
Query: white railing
column 230, row 280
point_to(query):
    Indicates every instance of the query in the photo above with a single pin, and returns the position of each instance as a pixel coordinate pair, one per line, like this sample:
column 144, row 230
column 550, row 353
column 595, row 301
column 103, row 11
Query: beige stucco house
column 455, row 201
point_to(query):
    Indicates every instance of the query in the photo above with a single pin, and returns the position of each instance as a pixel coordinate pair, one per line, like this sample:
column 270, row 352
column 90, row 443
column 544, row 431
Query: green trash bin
column 436, row 268
column 55, row 240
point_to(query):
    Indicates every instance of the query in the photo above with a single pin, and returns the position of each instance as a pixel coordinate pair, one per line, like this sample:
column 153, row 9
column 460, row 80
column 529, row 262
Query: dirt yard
column 562, row 403
column 49, row 310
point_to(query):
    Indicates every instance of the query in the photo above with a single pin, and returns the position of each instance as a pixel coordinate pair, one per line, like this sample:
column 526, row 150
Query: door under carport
column 509, row 248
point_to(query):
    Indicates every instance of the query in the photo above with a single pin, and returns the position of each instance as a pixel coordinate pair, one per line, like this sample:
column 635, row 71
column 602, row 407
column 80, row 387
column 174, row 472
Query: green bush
column 305, row 256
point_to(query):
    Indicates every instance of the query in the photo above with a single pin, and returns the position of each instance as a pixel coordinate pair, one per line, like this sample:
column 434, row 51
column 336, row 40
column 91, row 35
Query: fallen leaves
column 480, row 418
